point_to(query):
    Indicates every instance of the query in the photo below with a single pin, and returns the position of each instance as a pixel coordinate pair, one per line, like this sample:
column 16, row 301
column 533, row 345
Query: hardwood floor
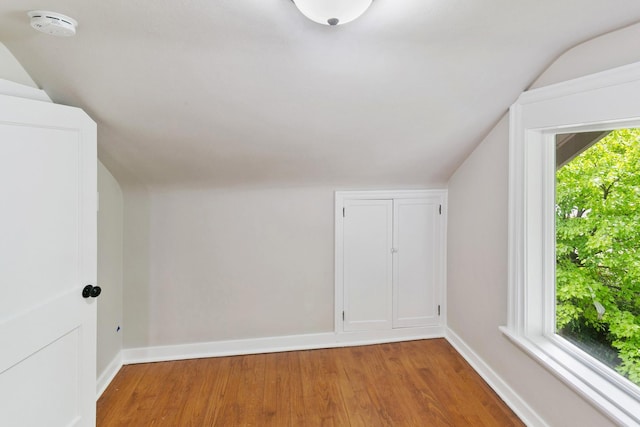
column 416, row 383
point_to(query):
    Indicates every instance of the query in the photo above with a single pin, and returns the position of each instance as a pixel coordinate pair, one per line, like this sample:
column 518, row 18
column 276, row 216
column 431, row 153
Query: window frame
column 602, row 101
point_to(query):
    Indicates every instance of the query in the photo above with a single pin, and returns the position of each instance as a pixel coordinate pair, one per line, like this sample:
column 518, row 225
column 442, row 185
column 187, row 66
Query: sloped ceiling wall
column 229, row 93
column 12, row 70
column 478, row 254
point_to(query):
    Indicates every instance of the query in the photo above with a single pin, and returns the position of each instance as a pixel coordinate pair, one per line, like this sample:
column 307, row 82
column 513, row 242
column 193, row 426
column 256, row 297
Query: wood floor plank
column 213, row 388
column 322, row 397
column 111, row 406
column 421, row 404
column 293, row 365
column 416, row 383
column 181, row 408
column 230, row 407
column 275, row 396
column 355, row 385
column 251, row 391
column 424, row 392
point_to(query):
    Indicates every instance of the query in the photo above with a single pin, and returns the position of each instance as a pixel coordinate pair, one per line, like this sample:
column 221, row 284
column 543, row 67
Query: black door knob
column 91, row 291
column 86, row 292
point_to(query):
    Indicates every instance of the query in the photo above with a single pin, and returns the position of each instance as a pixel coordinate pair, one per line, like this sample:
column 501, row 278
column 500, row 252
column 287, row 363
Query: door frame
column 392, row 334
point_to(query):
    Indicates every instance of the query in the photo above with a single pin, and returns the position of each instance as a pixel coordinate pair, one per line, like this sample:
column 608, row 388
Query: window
column 593, row 104
column 597, row 254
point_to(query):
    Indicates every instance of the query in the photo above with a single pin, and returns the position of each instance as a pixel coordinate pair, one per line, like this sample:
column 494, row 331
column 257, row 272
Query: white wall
column 136, row 294
column 11, row 69
column 477, row 248
column 602, row 53
column 235, row 264
column 110, row 233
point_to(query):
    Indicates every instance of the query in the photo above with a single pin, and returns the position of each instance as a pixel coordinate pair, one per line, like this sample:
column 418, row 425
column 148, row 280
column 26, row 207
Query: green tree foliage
column 598, row 248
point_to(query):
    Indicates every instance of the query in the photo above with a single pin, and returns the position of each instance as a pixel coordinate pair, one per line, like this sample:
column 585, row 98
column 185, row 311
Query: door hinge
column 440, row 210
column 343, row 316
column 438, row 309
column 343, row 212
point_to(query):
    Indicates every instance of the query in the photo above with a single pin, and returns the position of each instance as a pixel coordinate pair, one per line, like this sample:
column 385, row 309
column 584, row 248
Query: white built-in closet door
column 47, row 256
column 417, row 262
column 368, row 239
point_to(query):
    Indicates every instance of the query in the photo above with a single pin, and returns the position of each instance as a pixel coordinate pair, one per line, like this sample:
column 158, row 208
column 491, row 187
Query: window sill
column 612, row 396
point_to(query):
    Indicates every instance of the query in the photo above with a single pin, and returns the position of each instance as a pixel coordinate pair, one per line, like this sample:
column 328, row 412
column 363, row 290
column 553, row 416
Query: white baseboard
column 506, row 393
column 275, row 344
column 108, row 375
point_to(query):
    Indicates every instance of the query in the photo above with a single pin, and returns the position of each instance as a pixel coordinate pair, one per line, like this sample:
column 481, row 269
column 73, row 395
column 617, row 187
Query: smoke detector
column 52, row 23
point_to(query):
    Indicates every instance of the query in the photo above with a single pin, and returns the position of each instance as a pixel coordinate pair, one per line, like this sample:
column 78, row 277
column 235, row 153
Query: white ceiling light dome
column 332, row 12
column 53, row 23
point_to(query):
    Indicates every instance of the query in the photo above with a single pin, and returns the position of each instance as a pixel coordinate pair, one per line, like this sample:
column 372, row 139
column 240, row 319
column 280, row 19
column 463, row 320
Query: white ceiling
column 224, row 93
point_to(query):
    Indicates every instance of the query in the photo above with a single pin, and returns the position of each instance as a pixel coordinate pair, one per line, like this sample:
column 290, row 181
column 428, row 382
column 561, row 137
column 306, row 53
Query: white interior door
column 47, row 256
column 417, row 262
column 368, row 228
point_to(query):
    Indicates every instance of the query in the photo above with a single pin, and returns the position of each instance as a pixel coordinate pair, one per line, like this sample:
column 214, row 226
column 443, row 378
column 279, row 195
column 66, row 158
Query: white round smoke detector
column 52, row 23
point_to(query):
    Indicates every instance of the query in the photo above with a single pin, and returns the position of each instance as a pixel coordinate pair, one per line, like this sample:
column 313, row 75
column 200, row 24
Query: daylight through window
column 598, row 246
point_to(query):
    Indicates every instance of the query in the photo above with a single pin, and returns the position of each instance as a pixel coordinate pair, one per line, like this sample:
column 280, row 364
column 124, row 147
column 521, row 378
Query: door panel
column 47, row 255
column 39, row 170
column 416, row 263
column 32, row 380
column 368, row 227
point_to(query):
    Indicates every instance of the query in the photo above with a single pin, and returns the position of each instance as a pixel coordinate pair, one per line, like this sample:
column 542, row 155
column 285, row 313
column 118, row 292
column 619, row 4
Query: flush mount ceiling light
column 52, row 23
column 332, row 12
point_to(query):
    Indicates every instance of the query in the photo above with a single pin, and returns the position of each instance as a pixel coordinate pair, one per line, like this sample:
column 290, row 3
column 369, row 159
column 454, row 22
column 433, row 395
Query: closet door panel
column 368, row 228
column 416, row 264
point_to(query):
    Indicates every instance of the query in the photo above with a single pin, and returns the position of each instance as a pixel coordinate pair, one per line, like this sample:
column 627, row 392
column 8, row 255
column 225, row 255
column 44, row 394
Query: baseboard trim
column 108, row 375
column 506, row 393
column 274, row 344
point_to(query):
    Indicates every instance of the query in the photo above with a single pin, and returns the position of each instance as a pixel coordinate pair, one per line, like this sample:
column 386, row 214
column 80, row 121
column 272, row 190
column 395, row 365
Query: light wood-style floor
column 417, row 383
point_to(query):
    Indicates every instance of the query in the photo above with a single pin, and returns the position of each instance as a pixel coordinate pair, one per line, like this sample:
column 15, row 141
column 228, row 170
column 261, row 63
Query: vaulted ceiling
column 225, row 93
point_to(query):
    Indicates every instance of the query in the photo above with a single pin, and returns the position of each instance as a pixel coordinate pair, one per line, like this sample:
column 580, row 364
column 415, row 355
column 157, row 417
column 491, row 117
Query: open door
column 47, row 257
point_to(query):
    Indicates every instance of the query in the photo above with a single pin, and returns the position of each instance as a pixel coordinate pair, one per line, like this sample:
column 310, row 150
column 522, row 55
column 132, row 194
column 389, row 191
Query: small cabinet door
column 389, row 261
column 368, row 275
column 417, row 261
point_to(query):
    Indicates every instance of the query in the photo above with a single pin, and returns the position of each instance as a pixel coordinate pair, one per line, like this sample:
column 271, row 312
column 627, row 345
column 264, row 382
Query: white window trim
column 602, row 101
